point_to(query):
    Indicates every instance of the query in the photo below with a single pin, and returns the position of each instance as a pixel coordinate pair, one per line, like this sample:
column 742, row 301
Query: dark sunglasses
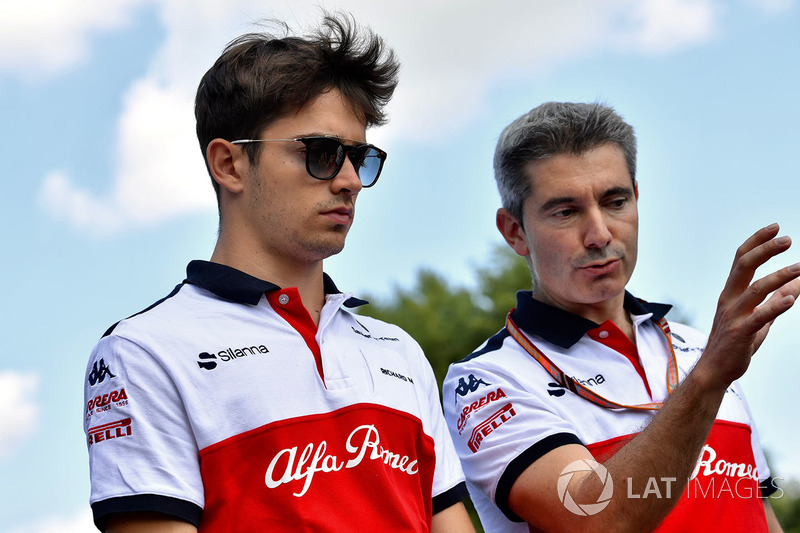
column 325, row 157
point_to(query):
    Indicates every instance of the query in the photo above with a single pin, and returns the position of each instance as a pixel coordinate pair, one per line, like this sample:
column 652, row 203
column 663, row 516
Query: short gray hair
column 550, row 129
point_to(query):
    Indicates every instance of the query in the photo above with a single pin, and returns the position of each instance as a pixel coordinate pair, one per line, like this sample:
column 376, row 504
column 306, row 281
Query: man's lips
column 598, row 268
column 340, row 215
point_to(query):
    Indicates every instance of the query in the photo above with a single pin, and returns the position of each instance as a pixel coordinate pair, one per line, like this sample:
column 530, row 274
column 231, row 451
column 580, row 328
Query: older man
column 588, row 411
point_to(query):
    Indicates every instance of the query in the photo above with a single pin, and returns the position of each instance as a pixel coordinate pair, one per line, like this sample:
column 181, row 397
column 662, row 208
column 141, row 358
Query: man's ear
column 512, row 232
column 228, row 164
column 636, row 189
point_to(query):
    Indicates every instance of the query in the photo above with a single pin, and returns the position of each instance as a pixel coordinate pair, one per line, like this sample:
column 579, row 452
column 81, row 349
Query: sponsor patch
column 112, row 430
column 467, row 411
column 465, row 387
column 106, row 402
column 485, row 428
column 99, row 373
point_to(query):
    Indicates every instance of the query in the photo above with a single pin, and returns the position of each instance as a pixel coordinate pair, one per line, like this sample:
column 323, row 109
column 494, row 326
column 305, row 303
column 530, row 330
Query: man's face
column 289, row 214
column 579, row 228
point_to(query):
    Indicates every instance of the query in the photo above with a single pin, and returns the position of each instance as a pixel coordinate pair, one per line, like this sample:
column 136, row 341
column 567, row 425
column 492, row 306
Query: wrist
column 706, row 380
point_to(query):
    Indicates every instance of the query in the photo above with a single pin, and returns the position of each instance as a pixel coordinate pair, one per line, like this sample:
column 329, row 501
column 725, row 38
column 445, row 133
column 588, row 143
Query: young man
column 250, row 398
column 582, row 367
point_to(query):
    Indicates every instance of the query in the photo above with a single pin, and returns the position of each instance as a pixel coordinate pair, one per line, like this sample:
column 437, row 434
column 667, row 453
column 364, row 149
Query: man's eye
column 618, row 202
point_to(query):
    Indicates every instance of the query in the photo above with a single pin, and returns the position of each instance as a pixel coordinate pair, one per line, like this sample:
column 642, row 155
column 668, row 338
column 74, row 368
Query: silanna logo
column 208, row 361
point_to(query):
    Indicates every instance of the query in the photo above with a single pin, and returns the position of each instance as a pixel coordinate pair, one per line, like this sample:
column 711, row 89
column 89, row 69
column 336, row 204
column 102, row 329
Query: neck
column 306, row 276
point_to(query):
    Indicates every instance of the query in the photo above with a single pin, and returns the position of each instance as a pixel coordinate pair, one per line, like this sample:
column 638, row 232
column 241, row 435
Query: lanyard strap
column 572, row 384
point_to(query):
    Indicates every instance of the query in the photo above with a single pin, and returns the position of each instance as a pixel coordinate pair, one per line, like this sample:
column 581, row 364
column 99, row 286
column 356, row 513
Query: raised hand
column 743, row 317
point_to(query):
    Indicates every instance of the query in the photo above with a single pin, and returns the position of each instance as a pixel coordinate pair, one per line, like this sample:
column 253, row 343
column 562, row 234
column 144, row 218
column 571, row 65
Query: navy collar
column 237, row 286
column 564, row 329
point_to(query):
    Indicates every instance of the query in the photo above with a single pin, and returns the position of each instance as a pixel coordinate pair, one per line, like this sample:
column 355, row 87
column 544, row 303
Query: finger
column 781, row 301
column 778, row 281
column 759, row 237
column 745, row 265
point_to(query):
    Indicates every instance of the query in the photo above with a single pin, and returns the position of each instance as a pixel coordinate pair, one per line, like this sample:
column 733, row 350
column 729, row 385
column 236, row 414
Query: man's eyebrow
column 555, row 202
column 618, row 191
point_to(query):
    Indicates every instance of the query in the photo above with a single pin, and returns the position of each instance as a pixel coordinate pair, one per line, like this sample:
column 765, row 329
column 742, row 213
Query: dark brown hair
column 260, row 77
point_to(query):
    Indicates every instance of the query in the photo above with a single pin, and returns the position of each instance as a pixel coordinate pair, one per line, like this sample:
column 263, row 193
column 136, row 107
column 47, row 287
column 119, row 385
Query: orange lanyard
column 572, row 384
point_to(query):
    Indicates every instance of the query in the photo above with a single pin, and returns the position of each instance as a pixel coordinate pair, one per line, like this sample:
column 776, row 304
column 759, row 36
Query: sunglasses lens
column 370, row 161
column 325, row 157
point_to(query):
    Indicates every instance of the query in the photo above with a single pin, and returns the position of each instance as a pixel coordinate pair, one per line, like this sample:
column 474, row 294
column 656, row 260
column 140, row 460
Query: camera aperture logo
column 587, row 509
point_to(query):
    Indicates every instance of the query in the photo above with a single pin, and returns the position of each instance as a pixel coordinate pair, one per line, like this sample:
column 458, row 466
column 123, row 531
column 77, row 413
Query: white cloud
column 79, row 523
column 19, row 413
column 451, row 53
column 773, row 6
column 662, row 26
column 40, row 37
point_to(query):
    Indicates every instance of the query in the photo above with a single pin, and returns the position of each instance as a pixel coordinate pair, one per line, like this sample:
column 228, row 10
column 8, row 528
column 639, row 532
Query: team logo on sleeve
column 477, row 405
column 106, row 402
column 112, row 430
column 465, row 387
column 485, row 428
column 99, row 373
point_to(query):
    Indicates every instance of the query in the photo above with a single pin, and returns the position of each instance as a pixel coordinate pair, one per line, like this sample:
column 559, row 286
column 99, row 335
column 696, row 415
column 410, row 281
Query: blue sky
column 107, row 198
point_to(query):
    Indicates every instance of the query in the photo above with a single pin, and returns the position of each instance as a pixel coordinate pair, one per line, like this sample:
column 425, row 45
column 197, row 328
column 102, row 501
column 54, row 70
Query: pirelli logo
column 483, row 429
column 112, row 430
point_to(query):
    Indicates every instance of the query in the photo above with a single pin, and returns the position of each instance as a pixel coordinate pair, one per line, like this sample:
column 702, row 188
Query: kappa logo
column 465, row 387
column 99, row 373
column 208, row 361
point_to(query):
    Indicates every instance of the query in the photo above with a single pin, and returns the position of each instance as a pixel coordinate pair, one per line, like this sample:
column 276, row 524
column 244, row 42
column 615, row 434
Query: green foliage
column 786, row 504
column 450, row 322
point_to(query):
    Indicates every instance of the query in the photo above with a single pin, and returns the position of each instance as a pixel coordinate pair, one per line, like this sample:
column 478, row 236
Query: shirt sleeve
column 142, row 453
column 449, row 486
column 499, row 427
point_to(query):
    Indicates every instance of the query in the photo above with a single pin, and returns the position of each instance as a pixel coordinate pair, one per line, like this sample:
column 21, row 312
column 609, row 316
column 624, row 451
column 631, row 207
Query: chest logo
column 208, row 361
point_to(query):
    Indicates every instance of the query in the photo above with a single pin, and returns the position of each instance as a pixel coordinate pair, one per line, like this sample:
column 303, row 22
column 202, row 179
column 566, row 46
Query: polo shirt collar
column 237, row 286
column 563, row 328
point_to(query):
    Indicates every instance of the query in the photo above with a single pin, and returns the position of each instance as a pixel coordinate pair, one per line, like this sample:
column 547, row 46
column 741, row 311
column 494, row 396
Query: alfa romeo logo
column 585, row 465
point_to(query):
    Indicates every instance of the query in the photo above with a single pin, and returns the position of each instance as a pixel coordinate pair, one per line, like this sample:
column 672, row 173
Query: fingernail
column 783, row 240
column 795, row 268
column 772, row 226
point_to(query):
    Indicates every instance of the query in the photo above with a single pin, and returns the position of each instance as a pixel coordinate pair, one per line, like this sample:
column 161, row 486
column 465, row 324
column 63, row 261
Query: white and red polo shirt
column 505, row 411
column 226, row 406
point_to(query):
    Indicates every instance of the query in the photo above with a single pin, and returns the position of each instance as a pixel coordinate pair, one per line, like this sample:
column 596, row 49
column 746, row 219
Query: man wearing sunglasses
column 588, row 411
column 251, row 398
